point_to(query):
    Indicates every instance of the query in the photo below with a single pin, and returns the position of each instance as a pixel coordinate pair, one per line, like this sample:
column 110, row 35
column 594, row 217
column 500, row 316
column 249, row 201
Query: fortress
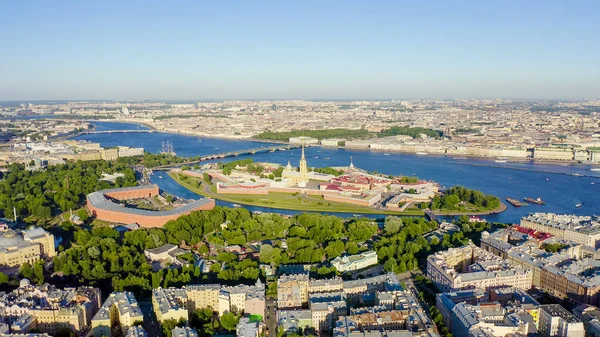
column 103, row 206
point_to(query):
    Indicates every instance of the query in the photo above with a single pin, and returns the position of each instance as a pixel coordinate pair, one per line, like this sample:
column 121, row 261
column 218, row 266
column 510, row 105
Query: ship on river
column 537, row 201
column 516, row 203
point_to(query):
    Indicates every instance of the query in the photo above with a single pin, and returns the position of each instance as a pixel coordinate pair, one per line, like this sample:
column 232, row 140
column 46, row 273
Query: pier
column 228, row 154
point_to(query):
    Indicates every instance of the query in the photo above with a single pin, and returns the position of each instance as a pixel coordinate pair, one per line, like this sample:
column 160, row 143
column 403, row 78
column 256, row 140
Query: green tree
column 3, row 278
column 392, row 225
column 229, row 321
column 390, row 265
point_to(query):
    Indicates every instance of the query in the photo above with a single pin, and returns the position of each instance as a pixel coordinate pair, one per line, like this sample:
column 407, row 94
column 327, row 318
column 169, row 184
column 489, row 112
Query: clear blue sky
column 299, row 49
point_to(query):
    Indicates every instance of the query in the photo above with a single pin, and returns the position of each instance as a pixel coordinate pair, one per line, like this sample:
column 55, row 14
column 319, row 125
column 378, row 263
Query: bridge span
column 117, row 131
column 228, row 154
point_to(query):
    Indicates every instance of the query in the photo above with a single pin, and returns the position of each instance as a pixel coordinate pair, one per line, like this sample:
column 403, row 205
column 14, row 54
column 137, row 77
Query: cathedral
column 297, row 178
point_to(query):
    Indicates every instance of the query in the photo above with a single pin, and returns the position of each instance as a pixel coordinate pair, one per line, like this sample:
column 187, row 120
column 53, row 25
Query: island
column 345, row 189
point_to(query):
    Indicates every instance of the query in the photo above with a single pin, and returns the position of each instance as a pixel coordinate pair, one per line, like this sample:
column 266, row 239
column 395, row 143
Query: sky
column 299, row 49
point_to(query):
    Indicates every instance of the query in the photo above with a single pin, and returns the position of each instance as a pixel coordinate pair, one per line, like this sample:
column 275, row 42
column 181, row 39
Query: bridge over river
column 115, row 131
column 228, row 154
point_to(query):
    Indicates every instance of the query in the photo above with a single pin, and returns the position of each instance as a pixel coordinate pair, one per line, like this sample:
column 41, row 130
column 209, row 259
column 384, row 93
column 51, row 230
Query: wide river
column 561, row 186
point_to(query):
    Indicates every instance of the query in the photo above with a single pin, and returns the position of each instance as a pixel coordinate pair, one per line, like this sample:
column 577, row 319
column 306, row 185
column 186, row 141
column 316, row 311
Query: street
column 271, row 316
column 150, row 323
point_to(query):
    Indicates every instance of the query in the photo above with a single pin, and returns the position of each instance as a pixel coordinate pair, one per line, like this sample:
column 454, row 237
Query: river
column 561, row 186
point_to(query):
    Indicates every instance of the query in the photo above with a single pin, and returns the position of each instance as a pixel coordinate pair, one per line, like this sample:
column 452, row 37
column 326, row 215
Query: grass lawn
column 283, row 200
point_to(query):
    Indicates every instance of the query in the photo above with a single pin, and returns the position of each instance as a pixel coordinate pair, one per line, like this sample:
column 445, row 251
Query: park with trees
column 349, row 134
column 37, row 196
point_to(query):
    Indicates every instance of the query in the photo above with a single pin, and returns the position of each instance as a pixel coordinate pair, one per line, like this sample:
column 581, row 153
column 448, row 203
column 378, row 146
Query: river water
column 561, row 186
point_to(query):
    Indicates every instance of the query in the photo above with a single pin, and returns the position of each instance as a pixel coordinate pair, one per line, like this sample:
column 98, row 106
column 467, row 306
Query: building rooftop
column 125, row 303
column 556, row 310
column 184, row 332
column 99, row 200
column 136, row 331
column 169, row 299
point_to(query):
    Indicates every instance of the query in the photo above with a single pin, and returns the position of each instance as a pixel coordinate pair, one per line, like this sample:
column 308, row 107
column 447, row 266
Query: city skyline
column 349, row 50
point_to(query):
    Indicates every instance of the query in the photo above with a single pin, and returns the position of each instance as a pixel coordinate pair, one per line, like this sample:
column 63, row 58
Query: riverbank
column 465, row 156
column 500, row 209
column 284, row 200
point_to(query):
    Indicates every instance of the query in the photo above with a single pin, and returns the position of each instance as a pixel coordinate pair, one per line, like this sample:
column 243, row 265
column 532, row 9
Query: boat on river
column 516, row 203
column 537, row 201
column 578, row 205
column 595, row 169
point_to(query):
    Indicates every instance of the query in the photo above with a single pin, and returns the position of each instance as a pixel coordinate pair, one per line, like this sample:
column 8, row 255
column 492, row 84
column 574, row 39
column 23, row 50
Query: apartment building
column 292, row 291
column 48, row 309
column 325, row 314
column 580, row 229
column 120, row 309
column 136, row 331
column 184, row 332
column 556, row 321
column 568, row 273
column 472, row 267
column 490, row 320
column 202, row 296
column 327, row 285
column 170, row 303
column 178, row 303
column 293, row 320
column 357, row 291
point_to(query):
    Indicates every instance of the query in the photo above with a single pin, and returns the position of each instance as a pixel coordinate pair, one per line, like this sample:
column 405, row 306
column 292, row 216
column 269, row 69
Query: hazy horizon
column 150, row 50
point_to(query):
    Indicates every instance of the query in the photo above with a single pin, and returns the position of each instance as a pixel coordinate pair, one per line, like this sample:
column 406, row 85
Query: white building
column 355, row 262
column 556, row 321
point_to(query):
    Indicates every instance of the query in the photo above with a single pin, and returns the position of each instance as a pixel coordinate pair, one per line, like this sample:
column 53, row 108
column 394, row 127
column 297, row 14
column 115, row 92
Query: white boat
column 327, row 158
column 500, row 161
column 236, row 205
column 578, row 205
column 160, row 177
column 386, row 154
column 216, row 148
column 422, row 153
column 595, row 169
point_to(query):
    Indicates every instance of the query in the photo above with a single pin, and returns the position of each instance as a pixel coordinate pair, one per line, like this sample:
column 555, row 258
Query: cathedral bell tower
column 303, row 170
